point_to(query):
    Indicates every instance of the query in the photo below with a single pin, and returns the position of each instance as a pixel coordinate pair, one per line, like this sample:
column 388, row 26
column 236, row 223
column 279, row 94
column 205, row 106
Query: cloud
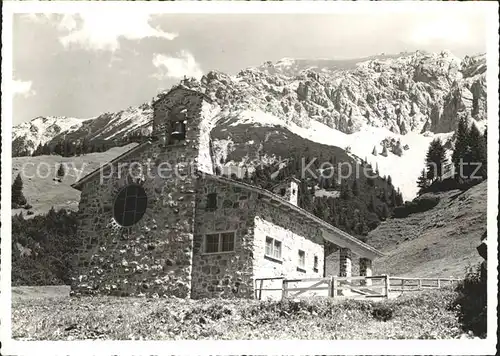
column 20, row 87
column 102, row 30
column 440, row 30
column 184, row 64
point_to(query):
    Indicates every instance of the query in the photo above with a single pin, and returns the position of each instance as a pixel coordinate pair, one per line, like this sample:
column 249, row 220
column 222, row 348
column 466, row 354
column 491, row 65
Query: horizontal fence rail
column 345, row 287
column 402, row 284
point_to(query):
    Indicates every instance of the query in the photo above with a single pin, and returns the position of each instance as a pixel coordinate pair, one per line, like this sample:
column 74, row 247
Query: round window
column 130, row 205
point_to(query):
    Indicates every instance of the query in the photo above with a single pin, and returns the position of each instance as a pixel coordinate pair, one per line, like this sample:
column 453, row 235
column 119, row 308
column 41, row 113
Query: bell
column 179, row 130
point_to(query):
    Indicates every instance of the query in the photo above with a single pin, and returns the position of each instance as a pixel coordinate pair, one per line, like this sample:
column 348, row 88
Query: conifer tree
column 385, row 211
column 345, row 190
column 18, row 198
column 372, row 206
column 327, row 183
column 355, row 188
column 399, row 198
column 422, row 182
column 478, row 153
column 61, row 172
column 389, row 181
column 461, row 145
column 393, row 199
column 384, row 151
column 384, row 196
column 246, row 176
column 374, row 152
column 435, row 160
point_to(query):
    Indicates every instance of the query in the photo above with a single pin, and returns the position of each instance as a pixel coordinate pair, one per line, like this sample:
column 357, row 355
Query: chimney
column 288, row 190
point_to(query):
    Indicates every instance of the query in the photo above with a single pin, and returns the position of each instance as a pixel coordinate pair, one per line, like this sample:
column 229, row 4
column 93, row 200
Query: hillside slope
column 38, row 173
column 439, row 242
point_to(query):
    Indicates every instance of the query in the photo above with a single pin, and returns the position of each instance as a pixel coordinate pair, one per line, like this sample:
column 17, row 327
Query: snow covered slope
column 403, row 169
column 41, row 130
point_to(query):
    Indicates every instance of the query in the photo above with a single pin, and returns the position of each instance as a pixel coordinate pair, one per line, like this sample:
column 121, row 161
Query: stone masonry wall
column 227, row 274
column 152, row 257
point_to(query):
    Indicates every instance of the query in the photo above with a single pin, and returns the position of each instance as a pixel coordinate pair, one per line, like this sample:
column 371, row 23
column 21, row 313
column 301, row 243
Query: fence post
column 284, row 292
column 419, row 284
column 439, row 283
column 260, row 290
column 334, row 286
column 387, row 286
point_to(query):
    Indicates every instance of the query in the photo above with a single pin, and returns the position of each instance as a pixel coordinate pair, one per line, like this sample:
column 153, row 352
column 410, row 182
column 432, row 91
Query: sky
column 82, row 65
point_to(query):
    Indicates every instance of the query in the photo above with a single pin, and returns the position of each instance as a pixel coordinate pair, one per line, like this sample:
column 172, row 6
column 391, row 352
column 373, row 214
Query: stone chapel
column 157, row 221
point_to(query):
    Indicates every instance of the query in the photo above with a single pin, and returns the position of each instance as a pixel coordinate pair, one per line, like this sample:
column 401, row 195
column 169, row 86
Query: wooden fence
column 408, row 284
column 344, row 287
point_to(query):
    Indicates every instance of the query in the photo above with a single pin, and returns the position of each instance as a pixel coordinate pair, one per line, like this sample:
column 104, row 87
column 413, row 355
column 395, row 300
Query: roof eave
column 360, row 247
column 79, row 185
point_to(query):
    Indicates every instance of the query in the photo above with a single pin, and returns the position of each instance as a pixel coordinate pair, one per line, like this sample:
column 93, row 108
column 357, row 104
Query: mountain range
column 400, row 102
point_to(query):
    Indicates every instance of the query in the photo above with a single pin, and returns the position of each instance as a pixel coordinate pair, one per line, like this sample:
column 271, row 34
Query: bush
column 28, row 206
column 52, row 241
column 471, row 301
column 451, row 184
column 382, row 313
column 418, row 205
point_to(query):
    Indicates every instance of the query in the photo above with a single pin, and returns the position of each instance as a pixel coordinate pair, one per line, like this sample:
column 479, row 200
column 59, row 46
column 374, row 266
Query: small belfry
column 156, row 221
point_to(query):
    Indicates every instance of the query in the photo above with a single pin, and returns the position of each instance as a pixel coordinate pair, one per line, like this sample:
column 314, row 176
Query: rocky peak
column 404, row 93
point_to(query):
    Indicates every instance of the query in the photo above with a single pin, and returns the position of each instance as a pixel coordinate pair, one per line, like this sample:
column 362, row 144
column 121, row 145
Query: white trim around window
column 273, row 249
column 219, row 242
column 302, row 260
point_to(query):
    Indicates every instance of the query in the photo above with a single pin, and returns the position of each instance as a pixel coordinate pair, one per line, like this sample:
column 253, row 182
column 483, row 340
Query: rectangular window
column 220, row 242
column 315, row 265
column 269, row 246
column 212, row 201
column 277, row 249
column 227, row 241
column 273, row 248
column 212, row 243
column 302, row 259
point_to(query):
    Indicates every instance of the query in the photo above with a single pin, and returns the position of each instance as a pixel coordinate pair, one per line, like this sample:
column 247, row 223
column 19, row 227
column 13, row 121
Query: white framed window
column 302, row 259
column 219, row 242
column 273, row 248
column 315, row 264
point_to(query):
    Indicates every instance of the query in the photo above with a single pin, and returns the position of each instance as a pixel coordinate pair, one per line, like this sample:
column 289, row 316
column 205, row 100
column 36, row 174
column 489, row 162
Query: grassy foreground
column 426, row 315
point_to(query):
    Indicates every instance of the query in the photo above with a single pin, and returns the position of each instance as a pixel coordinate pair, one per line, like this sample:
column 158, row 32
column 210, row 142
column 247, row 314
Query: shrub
column 418, row 205
column 52, row 240
column 382, row 313
column 471, row 301
column 451, row 184
column 28, row 206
